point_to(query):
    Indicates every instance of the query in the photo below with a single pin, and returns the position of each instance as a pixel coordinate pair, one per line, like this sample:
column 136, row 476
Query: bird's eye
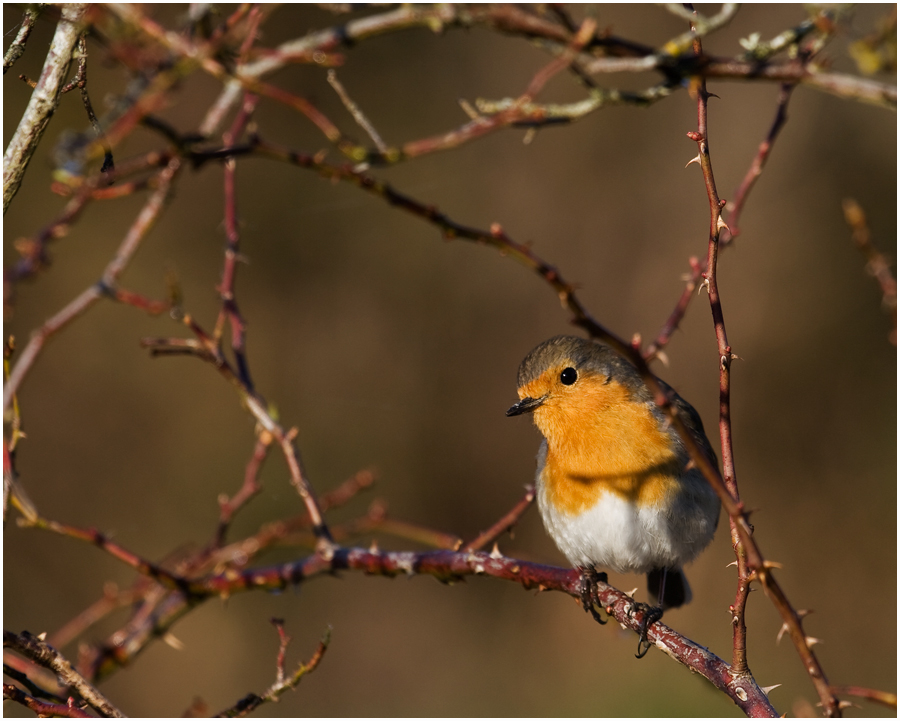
column 568, row 376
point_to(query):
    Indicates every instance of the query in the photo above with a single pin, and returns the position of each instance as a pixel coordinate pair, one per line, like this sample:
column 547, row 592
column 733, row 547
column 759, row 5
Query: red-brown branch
column 227, row 297
column 43, row 709
column 45, row 655
column 449, row 566
column 251, row 486
column 749, row 560
column 206, row 348
column 505, row 524
column 732, row 215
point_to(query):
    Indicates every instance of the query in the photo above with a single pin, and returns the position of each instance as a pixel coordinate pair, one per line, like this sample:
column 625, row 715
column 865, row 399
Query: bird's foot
column 652, row 614
column 589, row 579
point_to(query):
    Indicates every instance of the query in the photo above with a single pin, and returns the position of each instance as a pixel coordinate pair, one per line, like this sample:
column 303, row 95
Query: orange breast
column 601, row 441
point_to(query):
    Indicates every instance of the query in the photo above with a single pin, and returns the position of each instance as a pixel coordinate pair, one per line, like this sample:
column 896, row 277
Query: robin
column 615, row 485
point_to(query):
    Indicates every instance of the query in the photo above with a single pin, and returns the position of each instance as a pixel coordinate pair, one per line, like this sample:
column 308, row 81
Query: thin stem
column 15, row 50
column 727, row 234
column 227, row 297
column 701, row 137
column 251, row 486
column 736, row 206
column 505, row 524
column 43, row 709
column 252, row 701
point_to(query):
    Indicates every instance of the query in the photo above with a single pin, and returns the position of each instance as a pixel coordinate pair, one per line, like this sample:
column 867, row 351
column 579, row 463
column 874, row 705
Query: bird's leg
column 589, row 579
column 651, row 616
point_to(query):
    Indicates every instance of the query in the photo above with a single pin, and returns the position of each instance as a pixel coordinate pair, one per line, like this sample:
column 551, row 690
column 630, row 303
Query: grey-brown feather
column 587, row 355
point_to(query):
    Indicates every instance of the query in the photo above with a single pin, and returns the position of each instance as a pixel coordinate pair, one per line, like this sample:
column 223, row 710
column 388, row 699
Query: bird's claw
column 652, row 614
column 589, row 580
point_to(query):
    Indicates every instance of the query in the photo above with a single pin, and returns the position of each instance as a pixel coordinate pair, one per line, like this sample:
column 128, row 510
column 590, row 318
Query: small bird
column 615, row 485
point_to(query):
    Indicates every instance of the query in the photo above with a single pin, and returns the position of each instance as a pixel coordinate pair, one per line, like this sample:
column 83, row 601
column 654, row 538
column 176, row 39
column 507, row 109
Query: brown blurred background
column 391, row 349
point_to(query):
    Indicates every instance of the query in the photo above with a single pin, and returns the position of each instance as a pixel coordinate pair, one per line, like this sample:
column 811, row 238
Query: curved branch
column 453, row 566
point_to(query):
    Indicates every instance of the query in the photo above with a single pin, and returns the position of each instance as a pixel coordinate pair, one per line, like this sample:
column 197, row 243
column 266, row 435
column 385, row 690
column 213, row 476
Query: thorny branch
column 448, row 567
column 42, row 653
column 43, row 709
column 750, row 562
column 728, row 232
column 252, row 701
column 585, row 51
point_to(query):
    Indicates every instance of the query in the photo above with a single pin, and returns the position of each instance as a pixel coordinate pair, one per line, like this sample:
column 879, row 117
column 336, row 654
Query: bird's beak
column 526, row 405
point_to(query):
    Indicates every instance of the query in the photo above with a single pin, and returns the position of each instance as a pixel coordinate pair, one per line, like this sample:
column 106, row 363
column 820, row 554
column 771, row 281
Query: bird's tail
column 669, row 586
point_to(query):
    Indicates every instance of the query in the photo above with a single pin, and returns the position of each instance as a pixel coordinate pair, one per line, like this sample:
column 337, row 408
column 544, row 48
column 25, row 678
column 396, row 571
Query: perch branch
column 449, row 567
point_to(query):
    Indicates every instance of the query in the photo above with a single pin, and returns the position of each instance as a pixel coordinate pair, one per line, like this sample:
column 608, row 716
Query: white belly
column 619, row 535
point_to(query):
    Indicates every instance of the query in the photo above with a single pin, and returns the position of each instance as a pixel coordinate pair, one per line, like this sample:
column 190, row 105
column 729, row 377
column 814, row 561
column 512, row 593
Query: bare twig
column 716, row 224
column 43, row 101
column 229, row 506
column 227, row 297
column 112, row 599
column 505, row 524
column 33, row 688
column 849, row 87
column 206, row 348
column 42, row 708
column 106, row 286
column 48, row 657
column 736, row 206
column 357, row 114
column 15, row 50
column 655, row 349
column 34, row 249
column 282, row 684
column 733, row 211
column 102, row 541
